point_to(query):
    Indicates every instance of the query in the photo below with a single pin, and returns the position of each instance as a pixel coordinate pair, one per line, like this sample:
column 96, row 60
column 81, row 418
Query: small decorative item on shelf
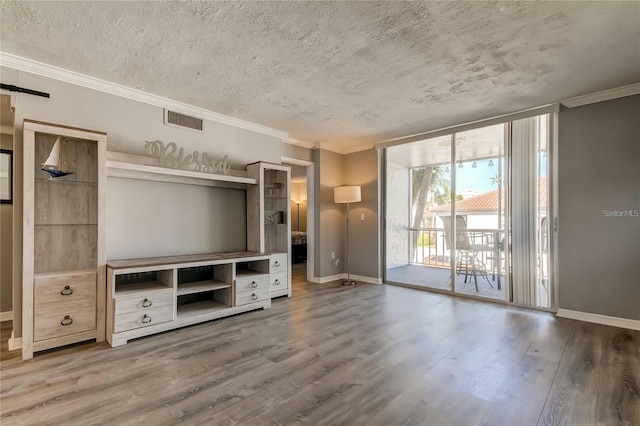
column 172, row 157
column 56, row 164
column 272, row 217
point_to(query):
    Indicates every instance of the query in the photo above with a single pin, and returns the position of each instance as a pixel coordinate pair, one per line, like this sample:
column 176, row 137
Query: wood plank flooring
column 375, row 355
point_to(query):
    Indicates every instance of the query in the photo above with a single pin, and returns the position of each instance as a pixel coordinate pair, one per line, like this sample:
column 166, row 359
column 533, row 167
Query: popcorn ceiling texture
column 346, row 73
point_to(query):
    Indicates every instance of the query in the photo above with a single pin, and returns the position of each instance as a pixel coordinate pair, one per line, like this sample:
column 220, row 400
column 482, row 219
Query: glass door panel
column 418, row 182
column 480, row 212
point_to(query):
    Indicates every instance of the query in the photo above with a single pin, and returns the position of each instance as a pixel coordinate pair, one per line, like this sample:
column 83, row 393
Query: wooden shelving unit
column 268, row 227
column 63, row 272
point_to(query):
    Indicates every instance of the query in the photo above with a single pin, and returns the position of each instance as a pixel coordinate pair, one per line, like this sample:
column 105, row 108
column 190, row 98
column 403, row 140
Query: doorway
column 301, row 214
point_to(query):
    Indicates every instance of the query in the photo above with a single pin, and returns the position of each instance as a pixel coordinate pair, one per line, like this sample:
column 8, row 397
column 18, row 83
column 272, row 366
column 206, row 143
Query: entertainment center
column 71, row 293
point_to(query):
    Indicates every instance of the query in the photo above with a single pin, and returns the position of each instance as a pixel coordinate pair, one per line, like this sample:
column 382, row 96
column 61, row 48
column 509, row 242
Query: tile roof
column 488, row 201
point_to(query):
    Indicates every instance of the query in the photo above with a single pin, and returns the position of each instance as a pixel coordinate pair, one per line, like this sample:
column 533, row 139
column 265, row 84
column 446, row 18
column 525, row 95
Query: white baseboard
column 599, row 319
column 369, row 280
column 15, row 343
column 330, row 278
column 323, row 280
column 6, row 316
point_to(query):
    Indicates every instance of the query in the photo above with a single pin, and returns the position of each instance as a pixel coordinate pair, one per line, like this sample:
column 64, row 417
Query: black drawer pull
column 66, row 291
column 146, row 319
column 276, row 263
column 254, row 296
column 254, row 284
column 146, row 303
column 277, row 282
column 66, row 320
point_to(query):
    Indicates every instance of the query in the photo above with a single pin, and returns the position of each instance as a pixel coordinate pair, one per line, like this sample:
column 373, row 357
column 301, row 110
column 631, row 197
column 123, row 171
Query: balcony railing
column 429, row 246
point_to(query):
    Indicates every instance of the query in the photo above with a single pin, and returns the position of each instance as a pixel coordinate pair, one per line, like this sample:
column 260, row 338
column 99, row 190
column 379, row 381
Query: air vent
column 173, row 118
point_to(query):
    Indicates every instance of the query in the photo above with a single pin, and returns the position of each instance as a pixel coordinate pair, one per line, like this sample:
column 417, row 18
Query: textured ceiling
column 341, row 73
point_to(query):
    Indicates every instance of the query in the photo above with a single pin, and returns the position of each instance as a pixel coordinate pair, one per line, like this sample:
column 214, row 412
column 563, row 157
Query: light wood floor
column 377, row 355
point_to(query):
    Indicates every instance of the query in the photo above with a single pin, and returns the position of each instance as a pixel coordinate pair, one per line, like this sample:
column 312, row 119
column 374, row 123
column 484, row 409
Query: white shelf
column 201, row 286
column 146, row 172
column 200, row 308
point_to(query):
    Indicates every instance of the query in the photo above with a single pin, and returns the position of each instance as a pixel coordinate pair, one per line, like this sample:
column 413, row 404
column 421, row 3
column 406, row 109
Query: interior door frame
column 311, row 196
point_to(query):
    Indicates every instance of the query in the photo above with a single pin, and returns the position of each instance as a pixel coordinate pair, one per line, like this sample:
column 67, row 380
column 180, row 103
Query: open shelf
column 200, row 308
column 201, row 286
column 241, row 272
column 146, row 172
column 133, row 288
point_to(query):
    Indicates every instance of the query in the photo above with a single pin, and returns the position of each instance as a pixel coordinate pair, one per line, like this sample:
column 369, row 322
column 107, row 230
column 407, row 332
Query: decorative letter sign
column 196, row 162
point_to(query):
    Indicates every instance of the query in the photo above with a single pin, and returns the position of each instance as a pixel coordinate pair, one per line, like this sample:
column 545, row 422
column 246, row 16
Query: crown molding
column 605, row 95
column 344, row 150
column 297, row 142
column 45, row 70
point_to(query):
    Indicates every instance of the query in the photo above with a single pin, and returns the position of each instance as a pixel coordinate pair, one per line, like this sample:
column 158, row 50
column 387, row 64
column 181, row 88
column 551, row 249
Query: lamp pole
column 349, row 282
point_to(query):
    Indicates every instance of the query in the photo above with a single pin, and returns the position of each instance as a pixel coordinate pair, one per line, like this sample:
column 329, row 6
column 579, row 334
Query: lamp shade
column 299, row 192
column 346, row 194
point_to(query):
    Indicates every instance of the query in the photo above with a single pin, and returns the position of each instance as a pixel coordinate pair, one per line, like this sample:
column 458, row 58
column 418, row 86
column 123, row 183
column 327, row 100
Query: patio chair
column 468, row 263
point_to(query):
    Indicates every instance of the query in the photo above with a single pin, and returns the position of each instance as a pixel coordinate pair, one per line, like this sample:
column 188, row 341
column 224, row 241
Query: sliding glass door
column 479, row 206
column 471, row 217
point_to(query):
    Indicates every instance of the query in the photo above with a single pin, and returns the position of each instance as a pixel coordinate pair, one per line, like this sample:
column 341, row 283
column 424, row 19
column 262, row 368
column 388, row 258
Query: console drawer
column 278, row 263
column 279, row 281
column 144, row 302
column 252, row 283
column 63, row 320
column 143, row 318
column 252, row 297
column 64, row 289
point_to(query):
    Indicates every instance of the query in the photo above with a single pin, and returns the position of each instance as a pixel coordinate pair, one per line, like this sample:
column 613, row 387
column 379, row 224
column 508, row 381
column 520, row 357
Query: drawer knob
column 146, row 319
column 277, row 282
column 254, row 284
column 254, row 296
column 146, row 303
column 66, row 291
column 66, row 320
column 276, row 263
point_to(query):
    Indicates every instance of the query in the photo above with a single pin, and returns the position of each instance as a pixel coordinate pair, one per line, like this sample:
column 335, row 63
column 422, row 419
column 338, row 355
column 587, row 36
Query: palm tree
column 426, row 181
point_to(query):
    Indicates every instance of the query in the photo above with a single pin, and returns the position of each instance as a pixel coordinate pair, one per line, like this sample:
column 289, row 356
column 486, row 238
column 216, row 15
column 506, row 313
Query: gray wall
column 6, row 242
column 599, row 162
column 330, row 219
column 361, row 168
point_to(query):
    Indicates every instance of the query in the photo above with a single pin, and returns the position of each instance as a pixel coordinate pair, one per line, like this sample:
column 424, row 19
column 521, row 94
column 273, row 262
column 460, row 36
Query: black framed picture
column 6, row 176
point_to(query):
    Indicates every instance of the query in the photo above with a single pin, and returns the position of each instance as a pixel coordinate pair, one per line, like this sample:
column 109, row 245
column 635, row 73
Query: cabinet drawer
column 63, row 289
column 252, row 297
column 279, row 281
column 58, row 321
column 278, row 263
column 143, row 318
column 144, row 302
column 252, row 283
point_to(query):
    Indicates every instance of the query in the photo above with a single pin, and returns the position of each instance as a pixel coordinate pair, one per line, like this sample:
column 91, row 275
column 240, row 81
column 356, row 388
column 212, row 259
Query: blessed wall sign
column 172, row 157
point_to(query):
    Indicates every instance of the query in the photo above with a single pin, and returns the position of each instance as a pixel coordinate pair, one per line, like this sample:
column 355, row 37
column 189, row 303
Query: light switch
column 361, row 216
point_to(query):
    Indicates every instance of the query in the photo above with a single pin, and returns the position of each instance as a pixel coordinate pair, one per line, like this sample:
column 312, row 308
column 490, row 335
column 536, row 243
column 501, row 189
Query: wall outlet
column 337, row 262
column 361, row 216
column 333, row 255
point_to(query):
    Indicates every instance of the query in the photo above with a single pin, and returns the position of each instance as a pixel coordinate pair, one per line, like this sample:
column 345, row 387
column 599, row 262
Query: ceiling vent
column 172, row 118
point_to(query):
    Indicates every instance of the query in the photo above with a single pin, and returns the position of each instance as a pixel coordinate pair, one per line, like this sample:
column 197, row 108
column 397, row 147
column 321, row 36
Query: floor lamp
column 299, row 196
column 348, row 195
